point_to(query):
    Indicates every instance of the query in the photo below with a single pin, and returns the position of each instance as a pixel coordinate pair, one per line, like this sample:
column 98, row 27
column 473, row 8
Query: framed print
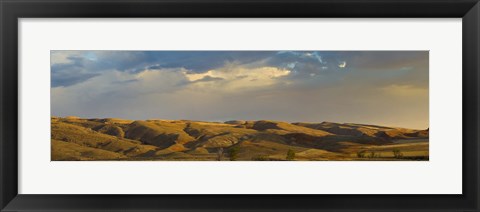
column 246, row 84
column 228, row 105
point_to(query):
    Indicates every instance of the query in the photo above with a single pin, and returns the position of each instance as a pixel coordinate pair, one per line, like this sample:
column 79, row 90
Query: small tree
column 361, row 154
column 220, row 154
column 397, row 153
column 233, row 153
column 290, row 155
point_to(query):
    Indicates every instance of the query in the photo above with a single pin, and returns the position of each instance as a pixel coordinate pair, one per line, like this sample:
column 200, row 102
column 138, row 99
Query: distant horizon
column 223, row 121
column 384, row 88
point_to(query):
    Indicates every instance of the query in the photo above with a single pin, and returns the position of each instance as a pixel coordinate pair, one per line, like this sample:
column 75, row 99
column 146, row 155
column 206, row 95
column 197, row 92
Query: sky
column 370, row 87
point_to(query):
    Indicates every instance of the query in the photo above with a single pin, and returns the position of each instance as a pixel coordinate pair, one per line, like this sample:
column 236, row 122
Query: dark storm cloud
column 88, row 63
column 65, row 74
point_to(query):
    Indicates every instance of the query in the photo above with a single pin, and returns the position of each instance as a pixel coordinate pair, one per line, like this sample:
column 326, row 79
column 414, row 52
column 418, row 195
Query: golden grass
column 67, row 151
column 75, row 138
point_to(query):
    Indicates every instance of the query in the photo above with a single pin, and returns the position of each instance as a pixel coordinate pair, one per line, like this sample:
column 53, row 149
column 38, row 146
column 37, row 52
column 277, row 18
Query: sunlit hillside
column 74, row 138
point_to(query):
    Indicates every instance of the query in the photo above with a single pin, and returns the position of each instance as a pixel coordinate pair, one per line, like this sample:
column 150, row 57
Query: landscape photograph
column 239, row 105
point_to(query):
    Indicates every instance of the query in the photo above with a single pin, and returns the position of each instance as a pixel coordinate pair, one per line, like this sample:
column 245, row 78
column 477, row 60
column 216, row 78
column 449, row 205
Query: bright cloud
column 240, row 77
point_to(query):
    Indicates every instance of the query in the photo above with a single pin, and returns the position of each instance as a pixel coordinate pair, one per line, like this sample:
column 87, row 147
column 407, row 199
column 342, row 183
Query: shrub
column 290, row 155
column 397, row 153
column 361, row 154
column 233, row 153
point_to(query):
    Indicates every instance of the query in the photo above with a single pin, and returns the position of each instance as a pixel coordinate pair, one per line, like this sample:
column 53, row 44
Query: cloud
column 63, row 79
column 92, row 62
column 377, row 87
column 59, row 57
column 209, row 79
column 69, row 70
column 233, row 78
column 128, row 85
column 72, row 67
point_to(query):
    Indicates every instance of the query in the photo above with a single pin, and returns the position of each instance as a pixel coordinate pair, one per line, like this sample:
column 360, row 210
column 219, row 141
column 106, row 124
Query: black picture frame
column 12, row 10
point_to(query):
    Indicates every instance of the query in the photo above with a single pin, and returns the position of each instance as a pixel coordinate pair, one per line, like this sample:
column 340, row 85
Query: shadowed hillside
column 74, row 138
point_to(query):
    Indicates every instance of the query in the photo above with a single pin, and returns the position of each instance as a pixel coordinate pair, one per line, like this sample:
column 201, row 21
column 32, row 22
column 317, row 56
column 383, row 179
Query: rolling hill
column 74, row 138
